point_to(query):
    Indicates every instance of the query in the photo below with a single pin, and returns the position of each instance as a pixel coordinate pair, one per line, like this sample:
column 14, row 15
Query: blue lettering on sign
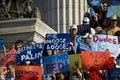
column 58, row 41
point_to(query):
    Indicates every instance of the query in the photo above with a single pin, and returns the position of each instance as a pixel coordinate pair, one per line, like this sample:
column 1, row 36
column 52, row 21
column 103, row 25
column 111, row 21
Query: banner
column 30, row 53
column 10, row 56
column 75, row 62
column 58, row 41
column 80, row 44
column 57, row 63
column 92, row 3
column 90, row 59
column 1, row 44
column 115, row 2
column 28, row 72
column 105, row 42
column 113, row 10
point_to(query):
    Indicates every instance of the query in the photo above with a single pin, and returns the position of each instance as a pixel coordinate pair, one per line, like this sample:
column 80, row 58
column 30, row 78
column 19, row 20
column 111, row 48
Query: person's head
column 96, row 17
column 113, row 21
column 118, row 34
column 73, row 29
column 86, row 21
column 19, row 43
column 104, row 6
column 61, row 76
column 11, row 68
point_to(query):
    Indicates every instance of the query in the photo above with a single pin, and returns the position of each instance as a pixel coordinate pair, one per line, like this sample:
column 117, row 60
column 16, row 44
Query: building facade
column 60, row 14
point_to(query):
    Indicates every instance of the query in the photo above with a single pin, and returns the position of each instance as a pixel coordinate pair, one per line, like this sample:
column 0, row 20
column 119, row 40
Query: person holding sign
column 102, row 12
column 73, row 32
column 85, row 27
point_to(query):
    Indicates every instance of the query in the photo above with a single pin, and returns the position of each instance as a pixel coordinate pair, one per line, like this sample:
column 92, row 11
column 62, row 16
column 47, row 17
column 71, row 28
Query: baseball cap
column 73, row 26
column 86, row 19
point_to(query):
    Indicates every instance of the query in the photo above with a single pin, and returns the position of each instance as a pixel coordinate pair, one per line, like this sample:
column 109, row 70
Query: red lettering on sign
column 106, row 39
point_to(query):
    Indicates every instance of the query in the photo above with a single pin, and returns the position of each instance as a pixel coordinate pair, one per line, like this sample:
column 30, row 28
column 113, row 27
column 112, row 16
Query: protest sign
column 28, row 72
column 1, row 44
column 29, row 53
column 92, row 3
column 57, row 63
column 80, row 44
column 113, row 10
column 75, row 62
column 58, row 41
column 90, row 59
column 116, row 2
column 10, row 56
column 105, row 42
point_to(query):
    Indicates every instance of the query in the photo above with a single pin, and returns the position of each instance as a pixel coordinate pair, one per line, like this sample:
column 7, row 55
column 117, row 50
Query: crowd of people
column 97, row 24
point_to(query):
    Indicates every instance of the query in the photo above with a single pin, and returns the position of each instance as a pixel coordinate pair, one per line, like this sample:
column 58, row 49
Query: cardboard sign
column 57, row 63
column 105, row 42
column 81, row 44
column 90, row 59
column 1, row 44
column 75, row 62
column 10, row 56
column 58, row 41
column 113, row 10
column 29, row 53
column 28, row 73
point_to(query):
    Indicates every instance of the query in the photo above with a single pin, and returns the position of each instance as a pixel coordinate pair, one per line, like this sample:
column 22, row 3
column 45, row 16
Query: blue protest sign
column 92, row 3
column 29, row 53
column 114, row 72
column 1, row 44
column 115, row 2
column 105, row 42
column 58, row 41
column 81, row 44
column 57, row 63
column 92, row 12
column 113, row 10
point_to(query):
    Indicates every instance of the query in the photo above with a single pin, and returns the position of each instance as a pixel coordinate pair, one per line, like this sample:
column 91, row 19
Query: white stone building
column 60, row 14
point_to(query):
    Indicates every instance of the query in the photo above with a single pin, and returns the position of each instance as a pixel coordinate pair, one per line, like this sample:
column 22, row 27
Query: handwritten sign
column 28, row 73
column 81, row 44
column 104, row 42
column 29, row 53
column 90, row 59
column 113, row 10
column 75, row 62
column 57, row 63
column 1, row 44
column 58, row 41
column 10, row 56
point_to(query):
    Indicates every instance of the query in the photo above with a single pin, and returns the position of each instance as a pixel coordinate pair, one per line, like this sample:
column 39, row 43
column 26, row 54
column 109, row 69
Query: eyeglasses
column 105, row 6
